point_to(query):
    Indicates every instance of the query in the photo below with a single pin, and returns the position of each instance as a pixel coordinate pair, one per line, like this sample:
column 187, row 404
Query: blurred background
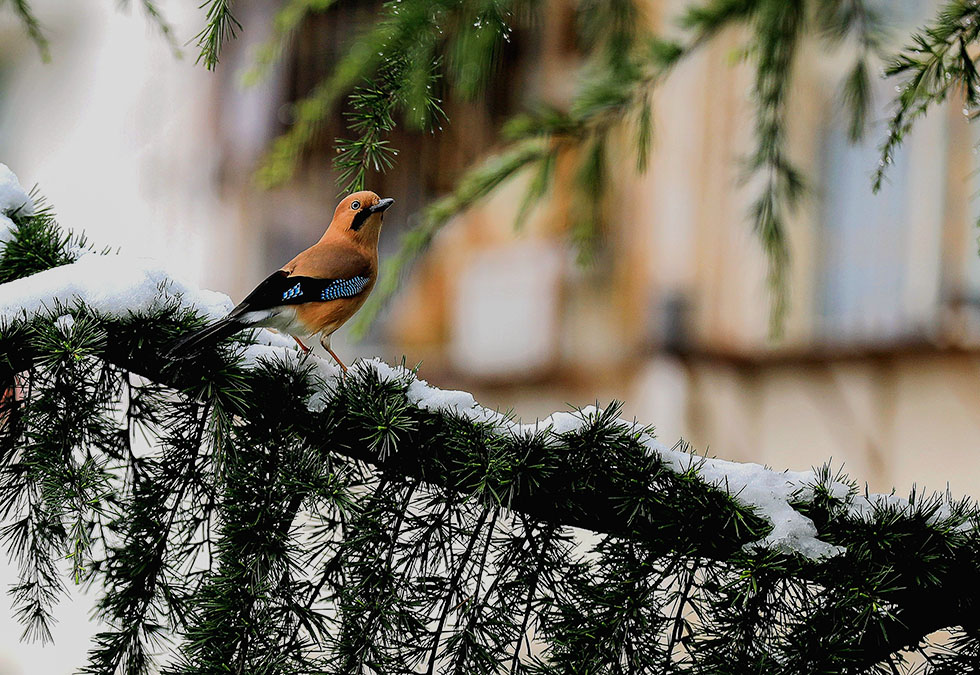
column 879, row 367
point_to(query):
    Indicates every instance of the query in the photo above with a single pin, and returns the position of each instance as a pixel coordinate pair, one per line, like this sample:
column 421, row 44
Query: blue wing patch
column 283, row 289
column 293, row 292
column 344, row 288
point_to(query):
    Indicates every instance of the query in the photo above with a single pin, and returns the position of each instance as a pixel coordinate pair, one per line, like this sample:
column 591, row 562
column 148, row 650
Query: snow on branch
column 118, row 287
column 13, row 199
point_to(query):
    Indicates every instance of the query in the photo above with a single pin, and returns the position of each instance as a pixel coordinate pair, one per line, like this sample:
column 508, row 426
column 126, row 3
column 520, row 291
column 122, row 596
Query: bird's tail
column 191, row 344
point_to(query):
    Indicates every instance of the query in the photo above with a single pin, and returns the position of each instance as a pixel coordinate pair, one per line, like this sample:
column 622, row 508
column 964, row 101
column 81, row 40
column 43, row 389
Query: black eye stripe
column 359, row 219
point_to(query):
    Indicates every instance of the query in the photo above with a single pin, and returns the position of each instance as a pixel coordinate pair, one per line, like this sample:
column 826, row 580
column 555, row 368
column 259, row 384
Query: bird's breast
column 326, row 317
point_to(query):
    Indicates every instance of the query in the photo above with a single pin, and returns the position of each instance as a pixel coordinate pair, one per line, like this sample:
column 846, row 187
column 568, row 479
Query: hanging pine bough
column 251, row 512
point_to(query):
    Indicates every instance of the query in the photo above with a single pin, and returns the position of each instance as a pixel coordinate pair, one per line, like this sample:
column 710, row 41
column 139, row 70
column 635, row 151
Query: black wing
column 281, row 289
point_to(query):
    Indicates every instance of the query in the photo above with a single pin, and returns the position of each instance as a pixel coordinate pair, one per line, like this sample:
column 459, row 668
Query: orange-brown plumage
column 326, row 317
column 340, row 254
column 316, row 292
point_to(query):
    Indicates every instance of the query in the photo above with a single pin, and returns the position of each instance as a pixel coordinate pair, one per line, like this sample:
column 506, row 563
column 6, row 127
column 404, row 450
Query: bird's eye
column 355, row 205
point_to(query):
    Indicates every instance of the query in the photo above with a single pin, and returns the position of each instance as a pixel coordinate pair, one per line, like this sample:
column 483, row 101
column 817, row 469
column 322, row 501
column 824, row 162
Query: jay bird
column 318, row 290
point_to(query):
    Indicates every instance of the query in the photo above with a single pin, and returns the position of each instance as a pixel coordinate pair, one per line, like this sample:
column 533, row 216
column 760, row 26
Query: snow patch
column 769, row 492
column 271, row 347
column 427, row 397
column 13, row 198
column 563, row 422
column 6, row 229
column 65, row 323
column 113, row 285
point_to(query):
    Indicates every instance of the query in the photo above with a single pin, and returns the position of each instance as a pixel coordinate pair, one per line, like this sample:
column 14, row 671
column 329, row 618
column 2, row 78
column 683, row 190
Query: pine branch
column 137, row 572
column 284, row 26
column 401, row 58
column 152, row 11
column 372, row 118
column 25, row 13
column 221, row 26
column 282, row 159
column 27, row 17
column 38, row 244
column 935, row 62
column 858, row 20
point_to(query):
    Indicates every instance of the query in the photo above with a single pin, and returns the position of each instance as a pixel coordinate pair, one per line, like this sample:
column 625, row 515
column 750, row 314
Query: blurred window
column 879, row 273
column 505, row 318
column 970, row 296
column 864, row 240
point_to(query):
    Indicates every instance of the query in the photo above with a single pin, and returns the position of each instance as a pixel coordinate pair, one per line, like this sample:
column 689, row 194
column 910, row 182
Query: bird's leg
column 326, row 345
column 306, row 350
column 336, row 358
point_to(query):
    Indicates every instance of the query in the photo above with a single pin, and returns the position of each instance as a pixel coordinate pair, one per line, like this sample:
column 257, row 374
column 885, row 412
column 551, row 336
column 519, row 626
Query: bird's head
column 360, row 215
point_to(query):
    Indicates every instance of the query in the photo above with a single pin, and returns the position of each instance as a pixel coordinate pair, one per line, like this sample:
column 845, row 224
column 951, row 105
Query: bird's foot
column 343, row 367
column 306, row 350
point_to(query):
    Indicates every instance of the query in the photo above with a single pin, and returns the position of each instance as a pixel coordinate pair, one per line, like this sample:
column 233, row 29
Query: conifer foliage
column 251, row 512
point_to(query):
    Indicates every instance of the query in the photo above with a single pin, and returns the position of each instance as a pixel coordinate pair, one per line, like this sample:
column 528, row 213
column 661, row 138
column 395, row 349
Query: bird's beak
column 381, row 206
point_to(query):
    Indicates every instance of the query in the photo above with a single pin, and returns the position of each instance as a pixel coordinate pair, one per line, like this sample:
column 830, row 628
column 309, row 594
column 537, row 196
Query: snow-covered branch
column 119, row 288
